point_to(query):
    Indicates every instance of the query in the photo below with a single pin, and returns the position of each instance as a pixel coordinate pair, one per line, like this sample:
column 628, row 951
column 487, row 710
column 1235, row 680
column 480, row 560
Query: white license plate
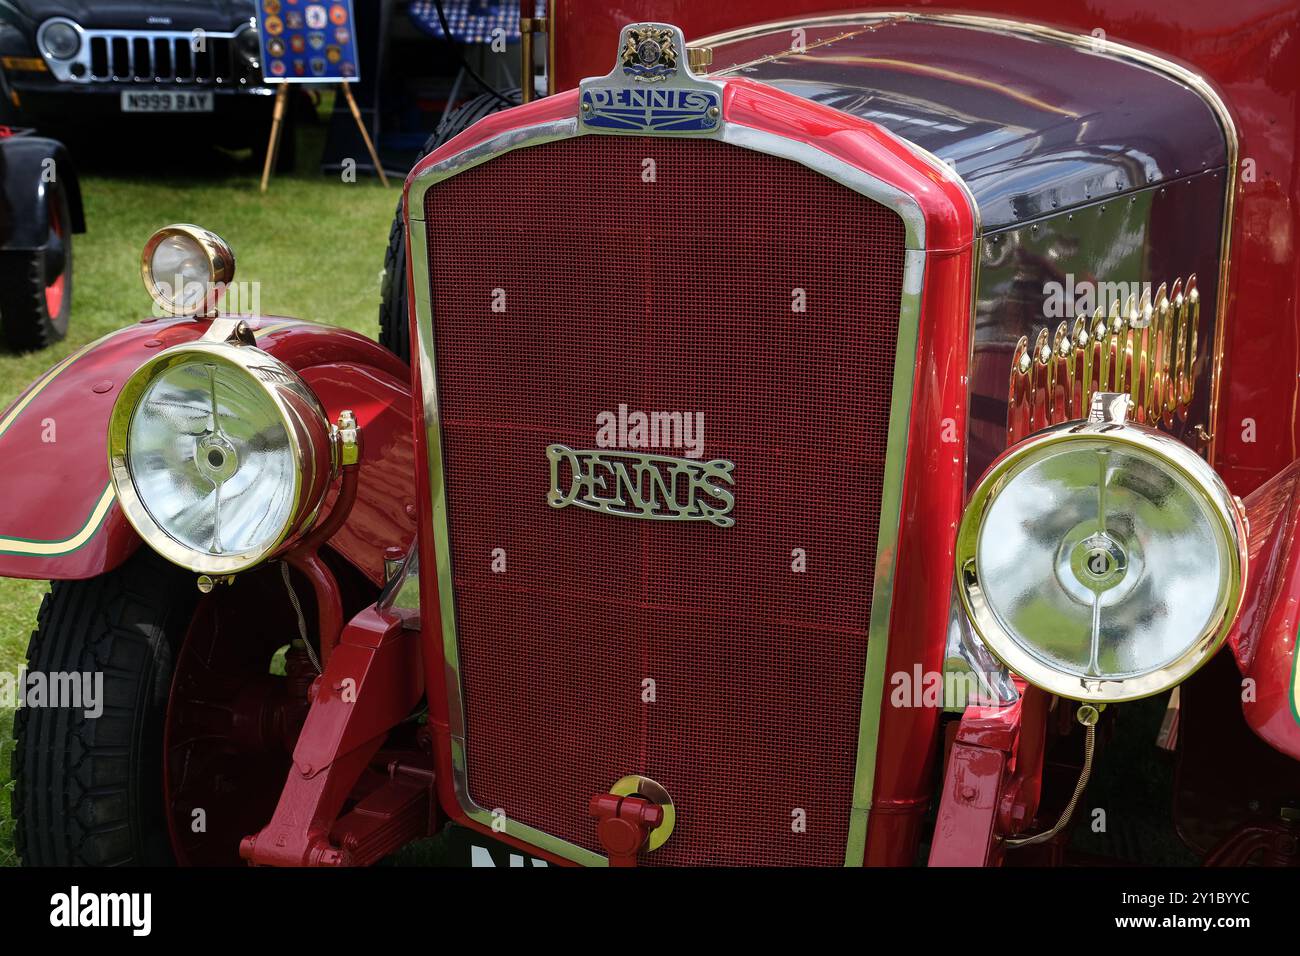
column 166, row 102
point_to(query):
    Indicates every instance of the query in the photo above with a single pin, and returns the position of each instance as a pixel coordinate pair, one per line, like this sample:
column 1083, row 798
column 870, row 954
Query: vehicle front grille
column 665, row 275
column 146, row 56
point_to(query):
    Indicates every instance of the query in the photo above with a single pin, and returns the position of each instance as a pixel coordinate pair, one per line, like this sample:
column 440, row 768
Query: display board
column 307, row 41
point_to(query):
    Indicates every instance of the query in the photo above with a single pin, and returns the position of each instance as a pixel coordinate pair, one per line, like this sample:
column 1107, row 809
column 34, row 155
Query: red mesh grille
column 666, row 296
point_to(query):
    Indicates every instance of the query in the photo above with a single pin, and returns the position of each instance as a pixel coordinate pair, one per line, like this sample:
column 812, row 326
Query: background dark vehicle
column 67, row 65
column 40, row 209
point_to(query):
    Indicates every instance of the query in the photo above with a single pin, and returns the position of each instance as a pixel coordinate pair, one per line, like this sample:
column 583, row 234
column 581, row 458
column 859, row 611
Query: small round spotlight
column 186, row 269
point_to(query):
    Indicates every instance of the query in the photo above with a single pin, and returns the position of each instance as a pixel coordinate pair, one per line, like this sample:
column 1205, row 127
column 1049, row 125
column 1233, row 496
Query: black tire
column 25, row 315
column 88, row 791
column 394, row 329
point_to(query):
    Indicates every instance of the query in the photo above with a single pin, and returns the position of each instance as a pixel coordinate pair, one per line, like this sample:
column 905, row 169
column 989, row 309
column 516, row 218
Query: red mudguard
column 1264, row 638
column 58, row 515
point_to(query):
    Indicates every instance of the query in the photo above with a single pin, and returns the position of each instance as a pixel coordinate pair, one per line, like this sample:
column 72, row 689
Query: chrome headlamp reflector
column 1102, row 561
column 219, row 454
column 59, row 39
column 186, row 269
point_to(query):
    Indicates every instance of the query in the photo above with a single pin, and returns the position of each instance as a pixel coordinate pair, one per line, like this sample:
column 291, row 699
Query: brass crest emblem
column 651, row 88
column 649, row 53
column 634, row 485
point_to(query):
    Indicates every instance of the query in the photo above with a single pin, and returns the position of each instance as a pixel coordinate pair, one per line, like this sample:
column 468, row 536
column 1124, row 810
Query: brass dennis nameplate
column 633, row 485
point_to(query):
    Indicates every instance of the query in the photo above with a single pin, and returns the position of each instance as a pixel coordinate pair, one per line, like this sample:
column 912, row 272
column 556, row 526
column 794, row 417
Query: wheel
column 394, row 330
column 36, row 287
column 191, row 749
column 88, row 789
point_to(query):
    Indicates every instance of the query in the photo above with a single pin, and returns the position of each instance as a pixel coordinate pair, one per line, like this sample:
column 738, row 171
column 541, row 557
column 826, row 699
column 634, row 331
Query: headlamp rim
column 221, row 268
column 304, row 422
column 1009, row 651
column 43, row 32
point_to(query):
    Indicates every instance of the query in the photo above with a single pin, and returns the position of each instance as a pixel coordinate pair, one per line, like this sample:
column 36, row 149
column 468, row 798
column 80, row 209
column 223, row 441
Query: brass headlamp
column 1101, row 560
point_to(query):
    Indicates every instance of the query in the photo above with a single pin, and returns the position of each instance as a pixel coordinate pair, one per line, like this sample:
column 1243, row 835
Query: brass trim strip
column 887, row 535
column 1295, row 680
column 785, row 54
column 10, row 544
column 47, row 549
column 17, row 408
column 1102, row 47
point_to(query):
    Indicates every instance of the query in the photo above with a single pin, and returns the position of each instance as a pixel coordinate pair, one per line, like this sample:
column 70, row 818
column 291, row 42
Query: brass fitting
column 699, row 58
column 348, row 436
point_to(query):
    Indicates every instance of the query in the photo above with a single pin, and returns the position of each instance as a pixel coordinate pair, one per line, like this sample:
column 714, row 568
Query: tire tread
column 22, row 302
column 81, row 796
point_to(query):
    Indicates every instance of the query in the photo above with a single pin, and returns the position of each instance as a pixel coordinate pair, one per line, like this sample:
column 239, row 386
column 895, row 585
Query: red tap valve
column 624, row 824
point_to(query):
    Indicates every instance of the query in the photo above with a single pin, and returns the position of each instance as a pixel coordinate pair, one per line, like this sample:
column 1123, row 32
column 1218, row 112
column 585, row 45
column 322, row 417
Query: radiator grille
column 171, row 56
column 677, row 294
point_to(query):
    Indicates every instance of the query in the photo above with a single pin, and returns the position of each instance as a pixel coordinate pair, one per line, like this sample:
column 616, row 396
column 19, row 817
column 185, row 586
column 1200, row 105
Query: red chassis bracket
column 993, row 780
column 372, row 682
column 1264, row 637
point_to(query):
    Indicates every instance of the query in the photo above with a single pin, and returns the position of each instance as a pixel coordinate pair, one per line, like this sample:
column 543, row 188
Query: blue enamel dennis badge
column 651, row 89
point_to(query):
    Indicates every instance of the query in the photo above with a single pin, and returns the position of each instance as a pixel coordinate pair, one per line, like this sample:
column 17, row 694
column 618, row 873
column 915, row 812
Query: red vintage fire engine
column 818, row 439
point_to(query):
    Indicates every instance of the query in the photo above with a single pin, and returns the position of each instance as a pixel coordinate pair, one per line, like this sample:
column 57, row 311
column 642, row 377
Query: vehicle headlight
column 1101, row 560
column 186, row 269
column 59, row 39
column 219, row 453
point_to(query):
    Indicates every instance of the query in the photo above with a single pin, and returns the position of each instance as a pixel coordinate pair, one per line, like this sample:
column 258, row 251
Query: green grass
column 7, row 855
column 315, row 245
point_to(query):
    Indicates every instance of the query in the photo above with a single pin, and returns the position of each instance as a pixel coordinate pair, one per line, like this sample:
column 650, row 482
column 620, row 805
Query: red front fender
column 58, row 515
column 1264, row 638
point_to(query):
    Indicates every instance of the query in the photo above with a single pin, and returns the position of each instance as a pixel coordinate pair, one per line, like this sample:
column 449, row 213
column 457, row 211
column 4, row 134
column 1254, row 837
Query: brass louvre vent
column 1147, row 347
